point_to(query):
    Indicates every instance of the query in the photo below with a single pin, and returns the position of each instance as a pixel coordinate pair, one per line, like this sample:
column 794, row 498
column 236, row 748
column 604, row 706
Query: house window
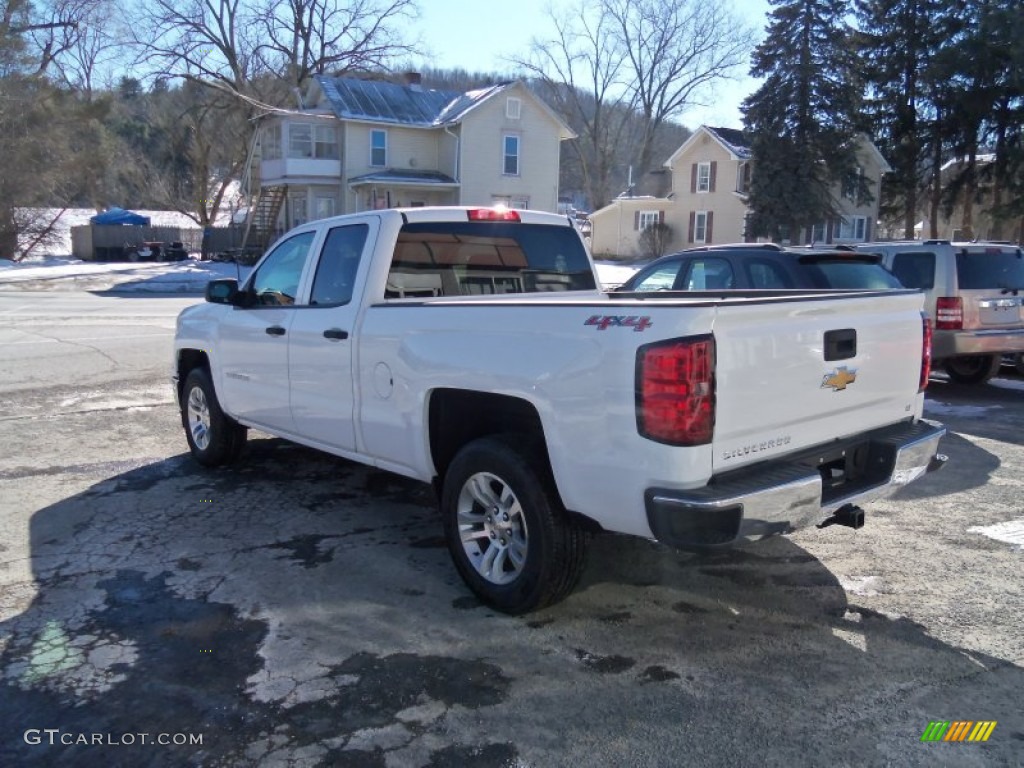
column 300, row 210
column 512, row 108
column 323, row 207
column 700, row 227
column 743, row 178
column 851, row 184
column 647, row 219
column 703, row 177
column 326, row 146
column 378, row 148
column 510, row 161
column 271, row 145
column 852, row 228
column 300, row 140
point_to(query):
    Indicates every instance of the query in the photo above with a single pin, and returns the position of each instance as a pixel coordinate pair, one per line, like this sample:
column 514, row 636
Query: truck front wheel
column 214, row 438
column 508, row 534
column 972, row 369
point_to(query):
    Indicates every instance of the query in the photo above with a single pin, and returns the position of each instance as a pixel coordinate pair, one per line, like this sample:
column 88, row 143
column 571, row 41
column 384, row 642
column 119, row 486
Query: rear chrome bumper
column 991, row 341
column 781, row 496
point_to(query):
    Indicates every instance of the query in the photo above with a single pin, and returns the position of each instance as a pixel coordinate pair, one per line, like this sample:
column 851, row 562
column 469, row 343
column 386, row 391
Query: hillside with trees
column 153, row 106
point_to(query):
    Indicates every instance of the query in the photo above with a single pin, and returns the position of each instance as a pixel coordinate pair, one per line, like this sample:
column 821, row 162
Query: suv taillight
column 675, row 390
column 949, row 313
column 926, row 351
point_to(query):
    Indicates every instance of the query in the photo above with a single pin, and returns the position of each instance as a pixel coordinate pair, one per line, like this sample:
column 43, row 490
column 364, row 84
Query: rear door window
column 1002, row 269
column 915, row 270
column 766, row 274
column 475, row 258
column 339, row 262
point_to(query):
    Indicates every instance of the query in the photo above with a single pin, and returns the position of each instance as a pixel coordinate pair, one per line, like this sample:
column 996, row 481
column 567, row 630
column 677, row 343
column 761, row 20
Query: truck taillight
column 949, row 313
column 926, row 352
column 675, row 390
column 493, row 214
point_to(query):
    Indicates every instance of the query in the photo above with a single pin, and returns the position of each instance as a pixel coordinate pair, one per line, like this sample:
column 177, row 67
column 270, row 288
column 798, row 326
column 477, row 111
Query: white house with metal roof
column 366, row 144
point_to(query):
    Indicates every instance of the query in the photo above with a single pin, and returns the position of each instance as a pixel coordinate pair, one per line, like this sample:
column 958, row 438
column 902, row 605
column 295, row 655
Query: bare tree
column 232, row 44
column 90, row 54
column 581, row 69
column 655, row 239
column 308, row 37
column 619, row 69
column 677, row 50
column 213, row 42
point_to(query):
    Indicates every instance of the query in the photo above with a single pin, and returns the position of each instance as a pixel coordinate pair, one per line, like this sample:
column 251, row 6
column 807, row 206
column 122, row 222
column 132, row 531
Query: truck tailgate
column 829, row 368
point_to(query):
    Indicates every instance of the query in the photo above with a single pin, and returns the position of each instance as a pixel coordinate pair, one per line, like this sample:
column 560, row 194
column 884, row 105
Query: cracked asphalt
column 298, row 609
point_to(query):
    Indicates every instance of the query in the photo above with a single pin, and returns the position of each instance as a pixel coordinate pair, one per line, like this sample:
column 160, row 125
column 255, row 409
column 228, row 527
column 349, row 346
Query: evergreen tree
column 1007, row 129
column 987, row 109
column 897, row 42
column 803, row 120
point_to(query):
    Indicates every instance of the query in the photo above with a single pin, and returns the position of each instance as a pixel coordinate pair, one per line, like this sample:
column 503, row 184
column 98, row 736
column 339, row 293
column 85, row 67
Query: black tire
column 972, row 369
column 220, row 439
column 554, row 545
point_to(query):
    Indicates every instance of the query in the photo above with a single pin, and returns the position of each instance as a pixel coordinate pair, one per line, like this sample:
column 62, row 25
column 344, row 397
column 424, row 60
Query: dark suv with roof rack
column 761, row 266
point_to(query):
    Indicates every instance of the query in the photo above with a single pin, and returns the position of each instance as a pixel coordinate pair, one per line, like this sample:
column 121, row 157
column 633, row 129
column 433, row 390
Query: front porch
column 402, row 189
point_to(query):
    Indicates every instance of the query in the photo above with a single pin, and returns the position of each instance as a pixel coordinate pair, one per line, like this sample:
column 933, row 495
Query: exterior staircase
column 261, row 221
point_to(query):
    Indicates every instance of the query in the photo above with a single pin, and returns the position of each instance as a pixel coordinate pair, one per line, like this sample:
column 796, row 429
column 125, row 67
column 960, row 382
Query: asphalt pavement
column 299, row 609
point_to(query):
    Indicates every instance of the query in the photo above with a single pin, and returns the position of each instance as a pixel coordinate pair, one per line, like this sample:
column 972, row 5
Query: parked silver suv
column 974, row 293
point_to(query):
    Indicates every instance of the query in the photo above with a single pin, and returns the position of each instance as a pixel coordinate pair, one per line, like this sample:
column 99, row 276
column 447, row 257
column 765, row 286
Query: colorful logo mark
column 958, row 730
column 839, row 379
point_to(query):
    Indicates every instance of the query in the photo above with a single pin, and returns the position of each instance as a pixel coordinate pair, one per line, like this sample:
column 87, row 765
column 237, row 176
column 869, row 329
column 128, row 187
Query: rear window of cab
column 486, row 258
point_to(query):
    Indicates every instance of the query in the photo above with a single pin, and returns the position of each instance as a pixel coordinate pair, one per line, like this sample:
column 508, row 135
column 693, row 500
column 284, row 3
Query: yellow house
column 708, row 204
column 615, row 230
column 366, row 144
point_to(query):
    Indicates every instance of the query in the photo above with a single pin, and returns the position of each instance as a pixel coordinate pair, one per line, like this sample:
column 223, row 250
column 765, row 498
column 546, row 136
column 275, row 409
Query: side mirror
column 222, row 292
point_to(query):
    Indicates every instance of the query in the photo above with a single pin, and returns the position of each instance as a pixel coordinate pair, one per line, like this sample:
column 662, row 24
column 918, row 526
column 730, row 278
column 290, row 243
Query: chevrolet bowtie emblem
column 839, row 379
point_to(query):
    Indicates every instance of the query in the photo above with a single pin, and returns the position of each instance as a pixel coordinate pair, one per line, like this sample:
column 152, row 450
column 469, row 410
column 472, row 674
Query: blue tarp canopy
column 119, row 216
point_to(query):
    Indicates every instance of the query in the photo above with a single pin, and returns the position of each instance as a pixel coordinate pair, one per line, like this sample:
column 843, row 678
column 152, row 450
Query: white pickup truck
column 471, row 349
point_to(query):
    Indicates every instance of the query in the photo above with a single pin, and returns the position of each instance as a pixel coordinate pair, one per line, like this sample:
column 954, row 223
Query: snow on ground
column 938, row 408
column 66, row 274
column 613, row 274
column 75, row 217
column 190, row 276
column 1011, row 532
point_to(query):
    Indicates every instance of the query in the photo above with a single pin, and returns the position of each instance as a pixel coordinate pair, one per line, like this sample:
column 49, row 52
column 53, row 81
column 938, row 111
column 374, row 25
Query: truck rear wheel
column 972, row 369
column 214, row 438
column 510, row 538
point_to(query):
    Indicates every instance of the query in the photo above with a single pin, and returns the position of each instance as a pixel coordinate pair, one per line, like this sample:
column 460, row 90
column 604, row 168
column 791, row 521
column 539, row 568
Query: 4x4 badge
column 839, row 379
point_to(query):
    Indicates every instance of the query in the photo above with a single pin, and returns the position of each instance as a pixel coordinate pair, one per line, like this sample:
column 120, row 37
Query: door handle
column 275, row 330
column 840, row 344
column 335, row 334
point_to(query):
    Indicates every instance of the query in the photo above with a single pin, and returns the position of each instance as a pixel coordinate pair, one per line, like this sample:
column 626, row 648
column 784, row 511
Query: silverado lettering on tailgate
column 764, row 445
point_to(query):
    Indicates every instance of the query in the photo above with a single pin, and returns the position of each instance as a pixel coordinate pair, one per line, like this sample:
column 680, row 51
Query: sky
column 476, row 36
